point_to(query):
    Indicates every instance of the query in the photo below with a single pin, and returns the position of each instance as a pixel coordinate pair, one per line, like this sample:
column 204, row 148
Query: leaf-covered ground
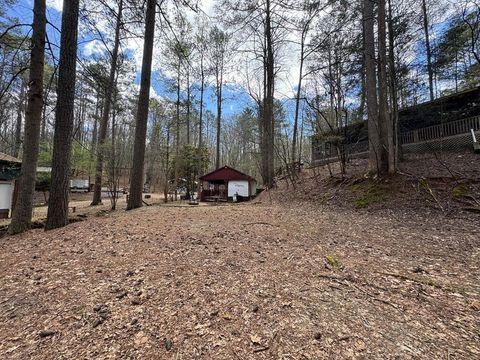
column 250, row 281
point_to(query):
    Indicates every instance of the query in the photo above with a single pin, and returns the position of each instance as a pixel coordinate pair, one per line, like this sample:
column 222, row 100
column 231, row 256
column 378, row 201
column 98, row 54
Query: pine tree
column 22, row 213
column 136, row 177
column 57, row 215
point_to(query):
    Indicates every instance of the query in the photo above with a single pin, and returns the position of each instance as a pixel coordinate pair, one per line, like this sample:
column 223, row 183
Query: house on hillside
column 227, row 184
column 447, row 123
column 10, row 169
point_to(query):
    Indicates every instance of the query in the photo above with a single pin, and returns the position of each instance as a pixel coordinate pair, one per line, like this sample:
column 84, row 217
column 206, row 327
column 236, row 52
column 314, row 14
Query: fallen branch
column 415, row 280
column 347, row 282
column 264, row 348
column 386, row 302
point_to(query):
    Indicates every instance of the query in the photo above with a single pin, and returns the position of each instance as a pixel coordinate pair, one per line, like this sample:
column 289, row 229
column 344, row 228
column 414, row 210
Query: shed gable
column 226, row 173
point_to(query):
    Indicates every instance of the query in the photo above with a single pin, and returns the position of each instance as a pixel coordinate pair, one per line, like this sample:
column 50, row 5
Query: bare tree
column 268, row 120
column 97, row 194
column 22, row 213
column 219, row 42
column 136, row 177
column 311, row 12
column 385, row 125
column 375, row 147
column 426, row 29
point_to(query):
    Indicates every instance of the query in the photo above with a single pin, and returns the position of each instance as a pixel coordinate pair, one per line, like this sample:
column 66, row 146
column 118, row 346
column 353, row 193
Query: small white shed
column 10, row 168
column 226, row 184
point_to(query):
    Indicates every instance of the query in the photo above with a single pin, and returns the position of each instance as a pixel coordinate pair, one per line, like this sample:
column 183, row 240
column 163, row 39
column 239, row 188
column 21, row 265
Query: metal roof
column 226, row 173
column 7, row 158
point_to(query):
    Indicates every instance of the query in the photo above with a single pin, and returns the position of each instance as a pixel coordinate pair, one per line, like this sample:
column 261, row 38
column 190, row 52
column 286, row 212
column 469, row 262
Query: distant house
column 226, row 184
column 10, row 168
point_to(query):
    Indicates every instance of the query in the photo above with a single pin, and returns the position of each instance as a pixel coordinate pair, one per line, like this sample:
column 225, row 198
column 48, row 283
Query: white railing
column 463, row 126
column 435, row 132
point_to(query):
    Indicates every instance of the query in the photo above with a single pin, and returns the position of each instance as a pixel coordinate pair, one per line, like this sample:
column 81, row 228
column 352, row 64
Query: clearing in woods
column 252, row 281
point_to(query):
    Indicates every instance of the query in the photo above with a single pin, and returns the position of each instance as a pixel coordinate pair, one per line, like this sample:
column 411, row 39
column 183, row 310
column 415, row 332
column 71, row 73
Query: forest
column 138, row 99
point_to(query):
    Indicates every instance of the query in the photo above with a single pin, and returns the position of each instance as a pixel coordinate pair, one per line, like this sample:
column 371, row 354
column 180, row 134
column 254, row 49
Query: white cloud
column 207, row 6
column 95, row 47
column 55, row 4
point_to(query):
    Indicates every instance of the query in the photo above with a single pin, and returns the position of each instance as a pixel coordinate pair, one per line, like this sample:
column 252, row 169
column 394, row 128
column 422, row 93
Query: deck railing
column 442, row 130
column 454, row 134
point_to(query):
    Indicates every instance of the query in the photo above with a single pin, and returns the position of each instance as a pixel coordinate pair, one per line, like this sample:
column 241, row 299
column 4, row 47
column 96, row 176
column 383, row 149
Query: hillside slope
column 448, row 183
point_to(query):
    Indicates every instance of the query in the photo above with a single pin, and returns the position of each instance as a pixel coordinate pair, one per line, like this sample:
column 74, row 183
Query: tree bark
column 97, row 189
column 200, row 125
column 429, row 50
column 371, row 87
column 219, row 77
column 297, row 100
column 113, row 161
column 167, row 164
column 22, row 213
column 385, row 126
column 269, row 102
column 136, row 177
column 361, row 109
column 93, row 145
column 18, row 125
column 393, row 146
column 177, row 130
column 57, row 215
column 188, row 103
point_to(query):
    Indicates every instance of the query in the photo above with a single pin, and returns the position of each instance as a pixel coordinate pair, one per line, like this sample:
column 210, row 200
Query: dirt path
column 249, row 281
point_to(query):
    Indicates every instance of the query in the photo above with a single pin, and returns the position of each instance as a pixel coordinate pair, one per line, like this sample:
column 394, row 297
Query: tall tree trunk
column 429, row 49
column 57, row 215
column 219, row 77
column 297, row 100
column 331, row 90
column 113, row 155
column 22, row 213
column 93, row 146
column 361, row 110
column 300, row 145
column 456, row 64
column 188, row 103
column 43, row 131
column 200, row 125
column 177, row 131
column 261, row 120
column 394, row 147
column 371, row 87
column 167, row 165
column 97, row 189
column 386, row 128
column 136, row 177
column 18, row 125
column 269, row 101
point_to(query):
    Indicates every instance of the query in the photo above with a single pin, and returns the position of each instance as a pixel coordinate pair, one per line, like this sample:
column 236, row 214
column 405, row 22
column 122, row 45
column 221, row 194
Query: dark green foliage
column 188, row 166
column 189, row 157
column 454, row 60
column 43, row 182
column 9, row 171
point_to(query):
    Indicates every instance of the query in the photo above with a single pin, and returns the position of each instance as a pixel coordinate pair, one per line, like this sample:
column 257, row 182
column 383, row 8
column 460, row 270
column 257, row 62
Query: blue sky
column 235, row 98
